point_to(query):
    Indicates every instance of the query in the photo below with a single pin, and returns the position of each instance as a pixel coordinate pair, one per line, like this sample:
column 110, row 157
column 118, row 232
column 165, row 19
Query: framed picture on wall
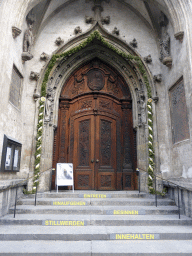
column 11, row 155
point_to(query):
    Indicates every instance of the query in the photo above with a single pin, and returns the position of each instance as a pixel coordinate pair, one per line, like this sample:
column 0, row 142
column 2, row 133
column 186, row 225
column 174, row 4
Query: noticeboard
column 64, row 174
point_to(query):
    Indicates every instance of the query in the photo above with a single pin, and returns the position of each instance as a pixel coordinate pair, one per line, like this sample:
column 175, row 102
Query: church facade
column 105, row 85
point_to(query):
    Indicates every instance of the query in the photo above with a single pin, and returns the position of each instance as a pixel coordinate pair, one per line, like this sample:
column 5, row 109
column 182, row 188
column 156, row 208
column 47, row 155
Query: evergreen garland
column 65, row 55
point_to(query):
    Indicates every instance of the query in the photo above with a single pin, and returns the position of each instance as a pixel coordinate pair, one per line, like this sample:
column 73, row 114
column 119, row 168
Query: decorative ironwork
column 83, row 180
column 179, row 118
column 84, row 128
column 128, row 181
column 105, row 180
column 96, row 80
column 105, row 142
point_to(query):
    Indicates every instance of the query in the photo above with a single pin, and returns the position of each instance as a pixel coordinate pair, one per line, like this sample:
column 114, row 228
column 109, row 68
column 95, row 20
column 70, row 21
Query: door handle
column 97, row 161
column 92, row 160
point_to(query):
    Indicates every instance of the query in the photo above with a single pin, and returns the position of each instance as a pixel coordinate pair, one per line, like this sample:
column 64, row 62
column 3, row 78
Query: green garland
column 127, row 57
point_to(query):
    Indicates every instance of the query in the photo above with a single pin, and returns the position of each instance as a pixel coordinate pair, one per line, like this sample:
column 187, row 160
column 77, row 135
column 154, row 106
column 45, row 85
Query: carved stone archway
column 128, row 70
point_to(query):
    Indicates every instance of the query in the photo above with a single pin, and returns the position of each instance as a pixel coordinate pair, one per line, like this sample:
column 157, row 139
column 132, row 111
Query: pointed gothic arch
column 128, row 69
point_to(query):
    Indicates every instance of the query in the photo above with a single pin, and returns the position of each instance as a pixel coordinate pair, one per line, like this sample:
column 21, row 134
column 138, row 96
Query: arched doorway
column 95, row 129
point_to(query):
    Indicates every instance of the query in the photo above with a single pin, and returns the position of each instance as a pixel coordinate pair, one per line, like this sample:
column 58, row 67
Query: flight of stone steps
column 95, row 223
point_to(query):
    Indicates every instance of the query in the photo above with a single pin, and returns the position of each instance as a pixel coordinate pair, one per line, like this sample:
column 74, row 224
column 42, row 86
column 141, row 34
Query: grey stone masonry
column 95, row 223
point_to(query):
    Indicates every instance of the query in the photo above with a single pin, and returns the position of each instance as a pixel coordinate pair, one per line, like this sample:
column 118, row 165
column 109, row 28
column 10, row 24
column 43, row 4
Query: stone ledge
column 181, row 182
column 7, row 184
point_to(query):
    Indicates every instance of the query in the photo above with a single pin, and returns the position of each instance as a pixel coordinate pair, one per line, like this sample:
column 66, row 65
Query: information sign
column 64, row 175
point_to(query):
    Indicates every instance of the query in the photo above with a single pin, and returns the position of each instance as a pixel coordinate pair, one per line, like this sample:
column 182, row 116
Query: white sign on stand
column 64, row 175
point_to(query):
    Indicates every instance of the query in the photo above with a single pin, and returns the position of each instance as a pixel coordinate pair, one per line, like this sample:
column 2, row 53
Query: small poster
column 64, row 174
column 8, row 157
column 16, row 158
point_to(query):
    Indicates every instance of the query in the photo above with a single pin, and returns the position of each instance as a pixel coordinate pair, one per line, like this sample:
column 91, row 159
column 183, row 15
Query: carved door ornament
column 95, row 80
column 95, row 129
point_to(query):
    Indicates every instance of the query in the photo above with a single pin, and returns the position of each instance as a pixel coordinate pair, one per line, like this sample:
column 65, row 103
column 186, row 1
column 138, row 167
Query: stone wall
column 8, row 193
column 60, row 19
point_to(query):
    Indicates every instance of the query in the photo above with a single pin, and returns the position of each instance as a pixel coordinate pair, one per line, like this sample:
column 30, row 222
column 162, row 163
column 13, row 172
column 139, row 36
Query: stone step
column 90, row 194
column 89, row 233
column 109, row 210
column 96, row 220
column 95, row 202
column 97, row 248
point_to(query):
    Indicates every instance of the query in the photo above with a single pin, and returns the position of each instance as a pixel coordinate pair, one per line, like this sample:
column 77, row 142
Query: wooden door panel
column 128, row 181
column 84, row 152
column 105, row 166
column 106, row 181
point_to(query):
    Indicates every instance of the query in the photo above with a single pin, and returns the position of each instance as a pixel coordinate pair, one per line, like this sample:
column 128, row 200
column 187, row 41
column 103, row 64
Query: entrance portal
column 95, row 130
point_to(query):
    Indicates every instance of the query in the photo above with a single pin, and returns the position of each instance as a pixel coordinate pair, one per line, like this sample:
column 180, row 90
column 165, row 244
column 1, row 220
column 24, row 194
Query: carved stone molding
column 133, row 43
column 179, row 36
column 59, row 41
column 105, row 20
column 16, row 31
column 115, row 31
column 148, row 59
column 36, row 95
column 44, row 56
column 168, row 61
column 157, row 78
column 26, row 56
column 34, row 76
column 155, row 99
column 77, row 30
column 89, row 19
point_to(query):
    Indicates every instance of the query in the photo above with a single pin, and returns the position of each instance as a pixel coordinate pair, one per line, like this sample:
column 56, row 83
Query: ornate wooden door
column 93, row 142
column 95, row 130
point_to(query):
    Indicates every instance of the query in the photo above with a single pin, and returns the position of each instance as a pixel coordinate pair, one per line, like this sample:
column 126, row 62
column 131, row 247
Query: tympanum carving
column 95, row 80
column 78, row 85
